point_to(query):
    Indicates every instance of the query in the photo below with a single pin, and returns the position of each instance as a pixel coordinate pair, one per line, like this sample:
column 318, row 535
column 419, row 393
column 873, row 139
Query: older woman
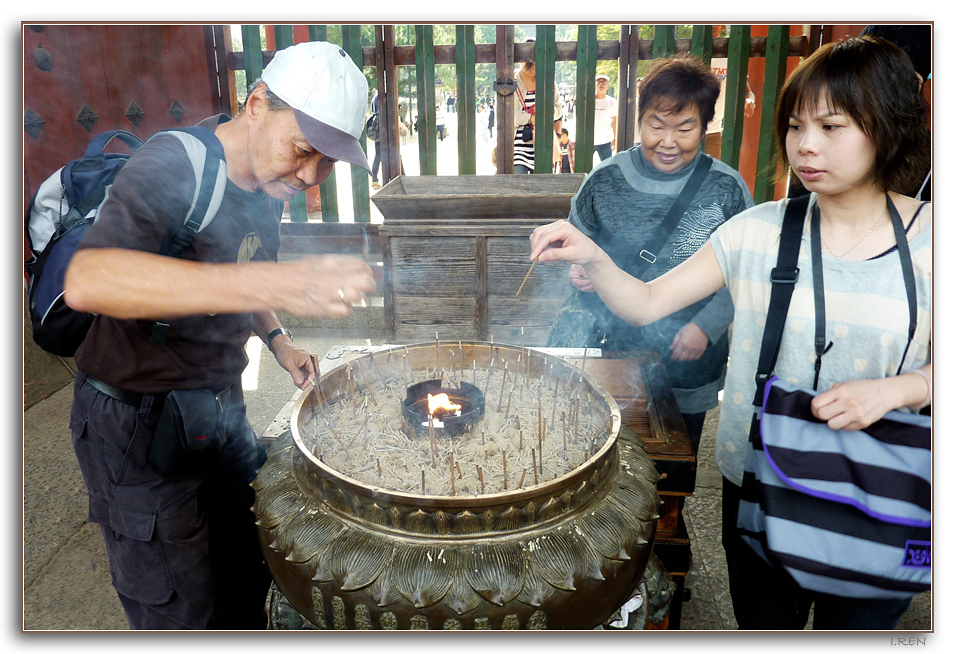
column 621, row 205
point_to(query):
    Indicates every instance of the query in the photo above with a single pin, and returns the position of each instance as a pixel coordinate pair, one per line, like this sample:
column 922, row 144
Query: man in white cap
column 179, row 534
column 605, row 118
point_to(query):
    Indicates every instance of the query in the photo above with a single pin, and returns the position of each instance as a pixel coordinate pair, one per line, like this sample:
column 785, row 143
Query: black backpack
column 372, row 127
column 68, row 202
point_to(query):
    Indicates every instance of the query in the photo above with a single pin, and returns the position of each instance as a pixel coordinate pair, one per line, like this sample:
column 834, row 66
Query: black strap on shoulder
column 190, row 227
column 651, row 249
column 783, row 278
column 184, row 236
column 909, row 276
column 648, row 254
column 819, row 303
column 820, row 346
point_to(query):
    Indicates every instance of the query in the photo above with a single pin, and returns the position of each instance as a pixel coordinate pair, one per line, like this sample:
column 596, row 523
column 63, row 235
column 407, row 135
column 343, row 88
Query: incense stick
column 452, row 455
column 315, row 369
column 526, row 276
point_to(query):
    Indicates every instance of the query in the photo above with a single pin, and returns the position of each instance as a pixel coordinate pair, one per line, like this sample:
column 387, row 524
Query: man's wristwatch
column 277, row 332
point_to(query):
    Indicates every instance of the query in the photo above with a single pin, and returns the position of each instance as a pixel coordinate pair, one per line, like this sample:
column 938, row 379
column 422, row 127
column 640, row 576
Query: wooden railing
column 739, row 47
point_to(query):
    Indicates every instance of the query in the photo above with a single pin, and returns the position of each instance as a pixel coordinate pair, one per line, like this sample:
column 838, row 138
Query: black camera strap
column 652, row 247
column 648, row 255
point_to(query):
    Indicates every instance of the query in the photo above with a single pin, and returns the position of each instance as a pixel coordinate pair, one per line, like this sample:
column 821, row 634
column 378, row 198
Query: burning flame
column 442, row 403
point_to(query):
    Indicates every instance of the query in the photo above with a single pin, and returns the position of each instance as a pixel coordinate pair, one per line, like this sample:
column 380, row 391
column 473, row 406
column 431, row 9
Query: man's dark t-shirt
column 145, row 207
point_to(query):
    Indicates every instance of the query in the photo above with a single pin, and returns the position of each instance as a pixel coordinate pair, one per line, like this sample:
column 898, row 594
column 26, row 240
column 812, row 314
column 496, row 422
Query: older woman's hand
column 689, row 343
column 579, row 279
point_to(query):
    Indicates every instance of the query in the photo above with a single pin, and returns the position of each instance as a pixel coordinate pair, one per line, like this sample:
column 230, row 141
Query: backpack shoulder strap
column 783, row 278
column 208, row 161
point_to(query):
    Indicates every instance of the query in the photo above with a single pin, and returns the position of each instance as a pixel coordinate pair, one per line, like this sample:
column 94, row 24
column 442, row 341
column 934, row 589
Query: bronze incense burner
column 507, row 524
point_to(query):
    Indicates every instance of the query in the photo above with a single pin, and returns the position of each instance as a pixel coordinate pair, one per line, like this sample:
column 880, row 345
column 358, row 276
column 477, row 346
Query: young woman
column 853, row 129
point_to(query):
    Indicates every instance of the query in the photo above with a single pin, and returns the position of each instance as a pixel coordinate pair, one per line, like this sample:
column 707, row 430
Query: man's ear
column 257, row 101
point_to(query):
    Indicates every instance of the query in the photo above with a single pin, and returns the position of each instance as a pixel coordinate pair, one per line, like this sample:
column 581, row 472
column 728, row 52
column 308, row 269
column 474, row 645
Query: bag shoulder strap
column 648, row 254
column 909, row 276
column 783, row 278
column 676, row 212
column 909, row 282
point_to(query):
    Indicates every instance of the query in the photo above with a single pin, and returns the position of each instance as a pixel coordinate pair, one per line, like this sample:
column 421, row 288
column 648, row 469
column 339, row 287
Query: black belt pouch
column 189, row 432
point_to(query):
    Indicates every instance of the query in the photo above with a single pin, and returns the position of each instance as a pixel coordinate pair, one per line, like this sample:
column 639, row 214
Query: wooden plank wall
column 460, row 278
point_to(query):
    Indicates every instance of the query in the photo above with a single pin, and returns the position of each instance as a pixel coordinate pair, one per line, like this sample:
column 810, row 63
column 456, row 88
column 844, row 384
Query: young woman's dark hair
column 676, row 82
column 873, row 82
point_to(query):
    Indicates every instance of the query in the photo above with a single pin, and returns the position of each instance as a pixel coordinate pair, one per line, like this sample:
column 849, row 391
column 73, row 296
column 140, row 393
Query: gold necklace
column 857, row 244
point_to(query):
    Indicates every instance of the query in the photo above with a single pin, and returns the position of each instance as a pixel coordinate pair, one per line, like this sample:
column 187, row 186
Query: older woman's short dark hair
column 873, row 82
column 677, row 82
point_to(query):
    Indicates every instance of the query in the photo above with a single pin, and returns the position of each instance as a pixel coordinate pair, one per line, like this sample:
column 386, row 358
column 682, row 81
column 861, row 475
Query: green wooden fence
column 385, row 56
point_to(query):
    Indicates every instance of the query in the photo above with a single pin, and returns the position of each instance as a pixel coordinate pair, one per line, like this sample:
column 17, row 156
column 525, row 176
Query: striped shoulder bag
column 846, row 513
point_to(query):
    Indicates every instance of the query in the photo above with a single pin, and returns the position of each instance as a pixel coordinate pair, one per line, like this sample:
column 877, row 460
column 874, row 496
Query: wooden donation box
column 456, row 250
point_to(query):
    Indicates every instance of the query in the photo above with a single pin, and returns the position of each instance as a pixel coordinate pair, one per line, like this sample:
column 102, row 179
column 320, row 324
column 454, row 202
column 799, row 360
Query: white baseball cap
column 328, row 94
column 602, row 76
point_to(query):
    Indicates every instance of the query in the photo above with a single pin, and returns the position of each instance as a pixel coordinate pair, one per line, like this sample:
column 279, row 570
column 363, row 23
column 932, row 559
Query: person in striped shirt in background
column 524, row 112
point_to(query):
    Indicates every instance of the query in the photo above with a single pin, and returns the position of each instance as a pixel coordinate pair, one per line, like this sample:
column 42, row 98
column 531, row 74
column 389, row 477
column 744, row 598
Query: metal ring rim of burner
column 452, row 501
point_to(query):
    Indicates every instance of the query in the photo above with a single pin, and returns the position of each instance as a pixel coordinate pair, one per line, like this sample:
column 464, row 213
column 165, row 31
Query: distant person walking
column 605, row 118
column 440, row 118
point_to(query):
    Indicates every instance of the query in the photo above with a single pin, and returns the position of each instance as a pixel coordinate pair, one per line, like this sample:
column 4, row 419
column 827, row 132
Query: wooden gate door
column 79, row 80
